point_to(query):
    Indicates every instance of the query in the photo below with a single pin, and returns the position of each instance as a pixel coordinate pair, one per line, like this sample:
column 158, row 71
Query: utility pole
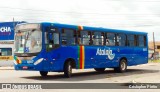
column 13, row 26
column 13, row 23
column 153, row 45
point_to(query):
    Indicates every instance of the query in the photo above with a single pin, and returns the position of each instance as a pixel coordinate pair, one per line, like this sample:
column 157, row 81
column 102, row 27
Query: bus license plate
column 25, row 67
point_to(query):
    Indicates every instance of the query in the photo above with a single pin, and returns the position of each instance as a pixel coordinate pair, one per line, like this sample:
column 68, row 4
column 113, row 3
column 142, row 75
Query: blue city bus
column 53, row 47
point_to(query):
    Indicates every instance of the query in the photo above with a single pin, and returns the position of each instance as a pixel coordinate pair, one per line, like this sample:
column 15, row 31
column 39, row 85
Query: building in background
column 151, row 54
column 7, row 42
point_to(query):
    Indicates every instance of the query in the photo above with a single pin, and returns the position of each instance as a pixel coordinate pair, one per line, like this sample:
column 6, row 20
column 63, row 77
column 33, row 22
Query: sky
column 134, row 15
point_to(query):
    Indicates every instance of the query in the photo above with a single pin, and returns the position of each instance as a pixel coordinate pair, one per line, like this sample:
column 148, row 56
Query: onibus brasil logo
column 106, row 52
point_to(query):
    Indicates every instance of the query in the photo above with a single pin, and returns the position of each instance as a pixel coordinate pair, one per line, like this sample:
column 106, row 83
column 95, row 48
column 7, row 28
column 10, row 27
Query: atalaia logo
column 106, row 52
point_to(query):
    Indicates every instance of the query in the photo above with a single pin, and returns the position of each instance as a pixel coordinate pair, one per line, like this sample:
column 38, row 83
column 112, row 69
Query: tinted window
column 121, row 40
column 110, row 39
column 131, row 40
column 98, row 38
column 142, row 40
column 5, row 51
column 52, row 39
column 84, row 37
column 68, row 37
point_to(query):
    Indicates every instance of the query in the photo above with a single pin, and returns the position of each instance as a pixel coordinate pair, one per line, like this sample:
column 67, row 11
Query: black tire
column 122, row 66
column 99, row 69
column 43, row 73
column 68, row 69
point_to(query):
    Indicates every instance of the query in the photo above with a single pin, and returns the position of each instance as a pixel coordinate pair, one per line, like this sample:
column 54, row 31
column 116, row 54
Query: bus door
column 52, row 39
column 52, row 42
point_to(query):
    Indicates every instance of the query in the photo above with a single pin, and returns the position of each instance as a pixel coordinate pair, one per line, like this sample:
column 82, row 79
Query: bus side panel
column 102, row 56
column 141, row 55
column 105, row 57
column 58, row 57
column 89, row 51
column 92, row 59
column 128, row 53
column 120, row 52
column 94, row 56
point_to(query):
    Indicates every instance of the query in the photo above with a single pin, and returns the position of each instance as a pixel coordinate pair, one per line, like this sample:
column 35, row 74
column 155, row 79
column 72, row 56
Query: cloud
column 140, row 15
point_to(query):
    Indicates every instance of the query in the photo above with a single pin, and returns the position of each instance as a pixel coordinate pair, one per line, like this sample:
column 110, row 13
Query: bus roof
column 101, row 29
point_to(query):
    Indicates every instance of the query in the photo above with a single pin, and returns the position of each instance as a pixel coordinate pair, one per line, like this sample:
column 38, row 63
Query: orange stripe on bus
column 80, row 27
column 81, row 57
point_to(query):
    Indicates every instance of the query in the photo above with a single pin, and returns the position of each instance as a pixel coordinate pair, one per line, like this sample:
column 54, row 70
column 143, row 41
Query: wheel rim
column 69, row 69
column 123, row 65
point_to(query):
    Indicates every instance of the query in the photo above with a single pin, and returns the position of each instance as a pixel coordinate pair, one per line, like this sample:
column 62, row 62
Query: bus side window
column 68, row 37
column 52, row 39
column 98, row 38
column 84, row 38
column 130, row 40
column 142, row 41
column 110, row 39
column 121, row 40
column 136, row 41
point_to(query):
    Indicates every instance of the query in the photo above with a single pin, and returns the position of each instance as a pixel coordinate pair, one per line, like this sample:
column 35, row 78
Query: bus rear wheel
column 43, row 73
column 122, row 66
column 99, row 69
column 68, row 70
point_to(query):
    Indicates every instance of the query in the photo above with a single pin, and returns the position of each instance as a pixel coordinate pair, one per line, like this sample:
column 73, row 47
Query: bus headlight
column 38, row 61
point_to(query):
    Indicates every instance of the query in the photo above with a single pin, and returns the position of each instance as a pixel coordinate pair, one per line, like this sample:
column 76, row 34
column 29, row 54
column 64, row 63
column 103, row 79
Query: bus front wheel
column 122, row 66
column 99, row 69
column 68, row 70
column 43, row 73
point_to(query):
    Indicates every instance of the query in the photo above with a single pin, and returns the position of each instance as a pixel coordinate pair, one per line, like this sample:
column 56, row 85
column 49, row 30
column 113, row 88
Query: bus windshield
column 28, row 41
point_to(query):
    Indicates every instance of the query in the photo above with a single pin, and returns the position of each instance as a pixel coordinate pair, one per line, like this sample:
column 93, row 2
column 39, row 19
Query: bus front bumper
column 27, row 67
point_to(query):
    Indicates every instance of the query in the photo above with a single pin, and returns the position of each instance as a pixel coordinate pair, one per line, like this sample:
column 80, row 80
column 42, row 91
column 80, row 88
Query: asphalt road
column 147, row 73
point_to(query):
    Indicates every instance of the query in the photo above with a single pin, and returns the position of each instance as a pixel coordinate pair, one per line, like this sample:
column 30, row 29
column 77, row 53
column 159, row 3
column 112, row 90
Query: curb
column 7, row 68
